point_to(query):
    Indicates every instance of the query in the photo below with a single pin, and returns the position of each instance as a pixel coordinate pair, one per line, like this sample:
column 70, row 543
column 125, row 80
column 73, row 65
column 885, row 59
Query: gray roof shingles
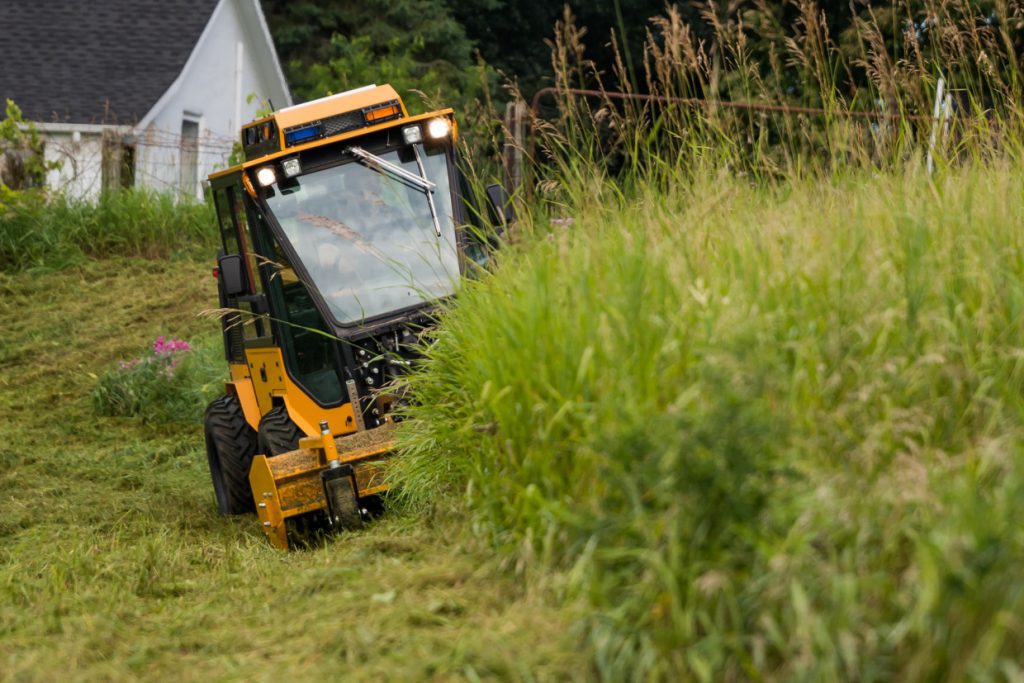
column 106, row 61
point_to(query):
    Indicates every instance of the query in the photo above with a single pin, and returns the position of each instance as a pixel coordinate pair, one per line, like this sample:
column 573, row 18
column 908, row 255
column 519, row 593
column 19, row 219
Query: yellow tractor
column 341, row 230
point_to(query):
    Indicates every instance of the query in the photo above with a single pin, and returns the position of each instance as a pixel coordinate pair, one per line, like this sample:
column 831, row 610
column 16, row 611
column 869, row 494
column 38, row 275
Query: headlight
column 438, row 128
column 266, row 176
column 412, row 135
column 291, row 167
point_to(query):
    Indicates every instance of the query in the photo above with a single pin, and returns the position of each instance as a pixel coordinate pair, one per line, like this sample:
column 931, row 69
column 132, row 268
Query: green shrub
column 171, row 381
column 23, row 166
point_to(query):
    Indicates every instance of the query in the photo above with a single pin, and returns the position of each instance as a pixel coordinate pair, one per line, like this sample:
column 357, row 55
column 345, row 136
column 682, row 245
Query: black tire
column 342, row 503
column 277, row 433
column 230, row 447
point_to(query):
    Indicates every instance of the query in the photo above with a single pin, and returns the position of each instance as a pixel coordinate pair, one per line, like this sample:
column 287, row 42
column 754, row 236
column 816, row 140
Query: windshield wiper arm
column 380, row 164
column 370, row 158
column 430, row 194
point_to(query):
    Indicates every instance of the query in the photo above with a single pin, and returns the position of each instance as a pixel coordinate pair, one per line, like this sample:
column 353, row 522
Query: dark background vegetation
column 434, row 45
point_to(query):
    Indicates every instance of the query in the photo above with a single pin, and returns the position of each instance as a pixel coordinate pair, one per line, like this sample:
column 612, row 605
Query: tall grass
column 766, row 433
column 63, row 230
column 874, row 85
column 756, row 398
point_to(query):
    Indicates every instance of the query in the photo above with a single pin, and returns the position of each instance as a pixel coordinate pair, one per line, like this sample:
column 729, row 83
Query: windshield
column 367, row 238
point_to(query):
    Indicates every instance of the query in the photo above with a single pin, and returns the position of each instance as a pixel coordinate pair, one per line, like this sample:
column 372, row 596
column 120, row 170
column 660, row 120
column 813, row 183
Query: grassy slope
column 114, row 563
column 762, row 433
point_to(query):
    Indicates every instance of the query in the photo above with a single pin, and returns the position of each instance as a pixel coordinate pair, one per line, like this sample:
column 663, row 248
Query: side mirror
column 230, row 267
column 502, row 211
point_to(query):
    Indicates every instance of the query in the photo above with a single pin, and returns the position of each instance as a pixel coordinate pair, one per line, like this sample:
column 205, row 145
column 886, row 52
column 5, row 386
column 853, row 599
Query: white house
column 147, row 93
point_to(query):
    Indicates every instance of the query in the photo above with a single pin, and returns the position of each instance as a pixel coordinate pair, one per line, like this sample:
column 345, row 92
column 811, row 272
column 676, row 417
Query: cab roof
column 347, row 115
column 322, row 118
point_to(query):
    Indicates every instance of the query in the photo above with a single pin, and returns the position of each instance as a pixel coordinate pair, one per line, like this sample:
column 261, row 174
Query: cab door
column 241, row 300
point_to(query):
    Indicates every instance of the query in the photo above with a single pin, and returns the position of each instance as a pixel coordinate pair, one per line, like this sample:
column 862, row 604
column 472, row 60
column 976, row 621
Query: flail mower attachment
column 325, row 475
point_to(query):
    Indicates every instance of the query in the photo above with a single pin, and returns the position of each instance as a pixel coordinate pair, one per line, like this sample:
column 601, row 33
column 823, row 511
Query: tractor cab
column 341, row 230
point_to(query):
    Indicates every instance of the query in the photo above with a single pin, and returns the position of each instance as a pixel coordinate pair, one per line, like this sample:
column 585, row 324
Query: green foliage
column 170, row 382
column 264, row 110
column 759, row 407
column 882, row 125
column 513, row 35
column 856, row 48
column 762, row 431
column 63, row 230
column 356, row 62
column 23, row 167
column 412, row 44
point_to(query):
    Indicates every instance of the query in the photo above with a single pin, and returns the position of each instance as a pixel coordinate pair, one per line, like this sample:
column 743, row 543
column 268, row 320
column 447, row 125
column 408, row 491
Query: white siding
column 208, row 93
column 81, row 159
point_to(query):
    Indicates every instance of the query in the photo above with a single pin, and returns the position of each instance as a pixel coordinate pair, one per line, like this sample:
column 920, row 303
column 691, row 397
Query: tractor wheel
column 342, row 503
column 230, row 447
column 277, row 433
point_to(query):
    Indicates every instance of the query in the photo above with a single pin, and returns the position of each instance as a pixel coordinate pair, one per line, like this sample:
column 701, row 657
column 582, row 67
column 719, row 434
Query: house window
column 189, row 159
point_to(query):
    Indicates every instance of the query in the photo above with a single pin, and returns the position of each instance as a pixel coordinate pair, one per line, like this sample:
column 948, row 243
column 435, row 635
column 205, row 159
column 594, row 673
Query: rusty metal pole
column 515, row 145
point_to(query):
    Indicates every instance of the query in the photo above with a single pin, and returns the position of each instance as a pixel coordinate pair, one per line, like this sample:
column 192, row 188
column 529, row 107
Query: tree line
column 455, row 50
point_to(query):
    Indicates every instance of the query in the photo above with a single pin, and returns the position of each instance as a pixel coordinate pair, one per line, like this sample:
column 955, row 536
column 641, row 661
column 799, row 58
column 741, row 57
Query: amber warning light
column 382, row 113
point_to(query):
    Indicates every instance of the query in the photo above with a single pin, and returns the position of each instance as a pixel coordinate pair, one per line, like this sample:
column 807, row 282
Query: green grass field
column 711, row 431
column 114, row 564
column 715, row 430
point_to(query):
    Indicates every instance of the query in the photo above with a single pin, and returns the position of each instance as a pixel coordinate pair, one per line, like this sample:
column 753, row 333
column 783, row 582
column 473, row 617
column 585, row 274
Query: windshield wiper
column 381, row 165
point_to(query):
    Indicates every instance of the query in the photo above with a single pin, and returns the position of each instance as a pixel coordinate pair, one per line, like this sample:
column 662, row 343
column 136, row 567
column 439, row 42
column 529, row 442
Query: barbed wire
column 161, row 137
column 153, row 137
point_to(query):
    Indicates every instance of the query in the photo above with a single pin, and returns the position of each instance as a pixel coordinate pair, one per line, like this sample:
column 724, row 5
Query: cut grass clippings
column 114, row 564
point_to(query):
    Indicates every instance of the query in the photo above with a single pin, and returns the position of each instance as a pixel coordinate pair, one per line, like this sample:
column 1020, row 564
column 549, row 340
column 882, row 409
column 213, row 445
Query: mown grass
column 766, row 432
column 114, row 564
column 60, row 231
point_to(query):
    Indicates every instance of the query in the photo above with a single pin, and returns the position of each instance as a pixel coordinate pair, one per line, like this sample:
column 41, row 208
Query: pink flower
column 165, row 347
